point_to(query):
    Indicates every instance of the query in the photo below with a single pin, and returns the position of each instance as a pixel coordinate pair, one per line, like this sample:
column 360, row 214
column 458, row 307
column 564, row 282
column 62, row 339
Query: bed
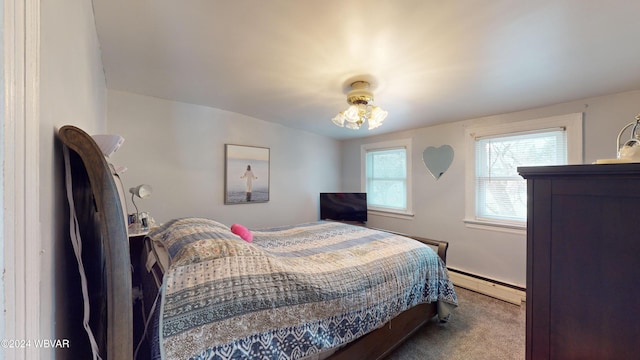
column 306, row 291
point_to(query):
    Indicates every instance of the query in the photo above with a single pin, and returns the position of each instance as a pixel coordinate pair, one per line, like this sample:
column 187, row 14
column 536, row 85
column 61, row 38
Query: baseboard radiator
column 505, row 292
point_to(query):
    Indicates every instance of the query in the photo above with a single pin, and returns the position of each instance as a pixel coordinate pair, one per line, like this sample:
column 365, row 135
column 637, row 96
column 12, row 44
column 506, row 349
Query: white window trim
column 391, row 144
column 573, row 124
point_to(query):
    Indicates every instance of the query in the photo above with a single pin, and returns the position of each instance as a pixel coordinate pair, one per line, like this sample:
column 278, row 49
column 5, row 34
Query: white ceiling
column 288, row 61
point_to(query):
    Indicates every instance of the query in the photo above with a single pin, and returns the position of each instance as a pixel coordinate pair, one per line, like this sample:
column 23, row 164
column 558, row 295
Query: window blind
column 386, row 182
column 501, row 193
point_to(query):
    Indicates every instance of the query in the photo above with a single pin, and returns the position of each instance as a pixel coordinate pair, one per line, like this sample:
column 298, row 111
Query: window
column 500, row 191
column 386, row 174
column 496, row 193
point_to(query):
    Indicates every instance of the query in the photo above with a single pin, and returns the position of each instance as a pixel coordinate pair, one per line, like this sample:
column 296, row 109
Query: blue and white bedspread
column 294, row 292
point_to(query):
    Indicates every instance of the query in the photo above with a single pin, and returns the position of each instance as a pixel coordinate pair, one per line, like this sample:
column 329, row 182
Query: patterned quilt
column 294, row 292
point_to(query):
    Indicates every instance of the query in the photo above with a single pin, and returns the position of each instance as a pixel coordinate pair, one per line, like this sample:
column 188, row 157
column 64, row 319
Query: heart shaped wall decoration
column 438, row 159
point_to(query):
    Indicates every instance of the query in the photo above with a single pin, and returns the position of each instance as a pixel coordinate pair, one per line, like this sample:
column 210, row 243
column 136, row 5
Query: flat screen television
column 343, row 206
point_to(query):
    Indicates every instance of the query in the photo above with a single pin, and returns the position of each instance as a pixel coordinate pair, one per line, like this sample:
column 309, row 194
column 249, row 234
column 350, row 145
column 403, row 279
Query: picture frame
column 247, row 174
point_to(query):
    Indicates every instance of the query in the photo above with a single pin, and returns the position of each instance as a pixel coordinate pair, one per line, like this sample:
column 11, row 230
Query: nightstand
column 136, row 246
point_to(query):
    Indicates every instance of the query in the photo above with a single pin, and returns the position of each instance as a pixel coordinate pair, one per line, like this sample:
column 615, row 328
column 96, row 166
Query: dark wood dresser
column 583, row 261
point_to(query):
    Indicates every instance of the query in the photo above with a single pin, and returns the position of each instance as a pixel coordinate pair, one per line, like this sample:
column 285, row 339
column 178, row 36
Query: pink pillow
column 242, row 231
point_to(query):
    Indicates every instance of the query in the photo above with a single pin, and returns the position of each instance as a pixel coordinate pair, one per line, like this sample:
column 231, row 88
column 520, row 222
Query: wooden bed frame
column 107, row 261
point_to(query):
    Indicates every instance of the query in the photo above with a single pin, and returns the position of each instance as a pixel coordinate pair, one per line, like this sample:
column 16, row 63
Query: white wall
column 72, row 91
column 178, row 149
column 439, row 205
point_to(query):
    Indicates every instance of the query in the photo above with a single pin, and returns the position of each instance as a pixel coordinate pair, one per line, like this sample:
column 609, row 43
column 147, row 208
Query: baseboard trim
column 487, row 287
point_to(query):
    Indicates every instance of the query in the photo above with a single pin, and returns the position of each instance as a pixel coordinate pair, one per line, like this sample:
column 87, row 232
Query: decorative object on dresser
column 583, row 258
column 629, row 150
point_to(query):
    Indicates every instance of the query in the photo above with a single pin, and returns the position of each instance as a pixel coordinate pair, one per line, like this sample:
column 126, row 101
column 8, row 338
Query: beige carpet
column 481, row 327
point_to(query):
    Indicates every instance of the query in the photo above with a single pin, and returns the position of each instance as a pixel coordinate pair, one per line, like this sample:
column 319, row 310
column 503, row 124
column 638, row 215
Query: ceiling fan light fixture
column 352, row 114
column 339, row 119
column 377, row 117
column 361, row 109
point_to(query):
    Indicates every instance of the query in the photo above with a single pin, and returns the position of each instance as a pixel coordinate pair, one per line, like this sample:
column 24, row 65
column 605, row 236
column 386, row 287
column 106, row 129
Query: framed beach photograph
column 246, row 174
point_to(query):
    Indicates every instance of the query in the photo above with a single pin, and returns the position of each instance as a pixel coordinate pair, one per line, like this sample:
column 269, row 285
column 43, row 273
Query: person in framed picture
column 249, row 177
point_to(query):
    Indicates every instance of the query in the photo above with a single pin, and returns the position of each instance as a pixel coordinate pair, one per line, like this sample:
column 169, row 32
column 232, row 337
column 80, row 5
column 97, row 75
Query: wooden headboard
column 105, row 245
